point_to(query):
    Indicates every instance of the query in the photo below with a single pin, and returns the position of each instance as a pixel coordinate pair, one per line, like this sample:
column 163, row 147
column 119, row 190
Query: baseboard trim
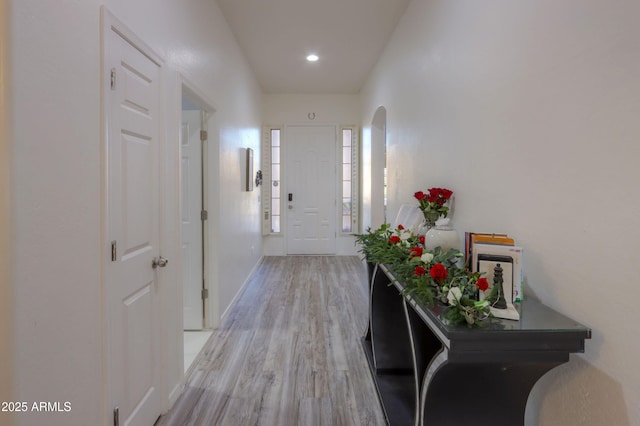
column 226, row 312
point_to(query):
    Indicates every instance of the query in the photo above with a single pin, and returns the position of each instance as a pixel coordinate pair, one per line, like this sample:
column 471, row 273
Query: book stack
column 483, row 252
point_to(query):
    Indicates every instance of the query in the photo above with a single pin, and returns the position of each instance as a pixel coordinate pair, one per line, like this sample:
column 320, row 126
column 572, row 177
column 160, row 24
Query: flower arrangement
column 385, row 245
column 439, row 276
column 434, row 204
column 429, row 276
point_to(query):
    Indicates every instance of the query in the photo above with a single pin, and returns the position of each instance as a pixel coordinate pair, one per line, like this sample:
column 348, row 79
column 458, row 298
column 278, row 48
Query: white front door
column 310, row 196
column 132, row 109
column 191, row 207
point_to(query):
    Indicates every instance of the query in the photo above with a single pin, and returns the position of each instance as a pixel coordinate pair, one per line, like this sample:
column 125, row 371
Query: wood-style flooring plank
column 288, row 353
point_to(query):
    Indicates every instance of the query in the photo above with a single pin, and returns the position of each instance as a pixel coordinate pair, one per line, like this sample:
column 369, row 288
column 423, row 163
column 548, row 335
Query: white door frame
column 211, row 204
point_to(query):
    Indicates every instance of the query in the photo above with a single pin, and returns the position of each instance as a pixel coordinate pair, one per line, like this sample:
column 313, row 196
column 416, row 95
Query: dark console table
column 428, row 372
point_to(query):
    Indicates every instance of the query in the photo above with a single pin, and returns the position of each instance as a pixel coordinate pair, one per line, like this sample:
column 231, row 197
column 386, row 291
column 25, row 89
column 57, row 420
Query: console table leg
column 492, row 394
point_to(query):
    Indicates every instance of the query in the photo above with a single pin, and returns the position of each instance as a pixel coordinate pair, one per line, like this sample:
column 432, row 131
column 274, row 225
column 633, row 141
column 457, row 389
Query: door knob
column 159, row 261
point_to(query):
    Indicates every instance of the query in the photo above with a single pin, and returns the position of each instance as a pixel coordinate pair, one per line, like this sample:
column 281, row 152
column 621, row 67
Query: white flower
column 426, row 257
column 454, row 296
column 405, row 234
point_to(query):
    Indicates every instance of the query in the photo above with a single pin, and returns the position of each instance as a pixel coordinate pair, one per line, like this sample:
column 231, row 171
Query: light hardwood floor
column 289, row 352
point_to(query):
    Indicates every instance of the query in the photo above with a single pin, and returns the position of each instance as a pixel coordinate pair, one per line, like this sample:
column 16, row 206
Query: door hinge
column 204, row 215
column 116, row 416
column 203, row 135
column 113, row 79
column 205, row 293
column 114, row 252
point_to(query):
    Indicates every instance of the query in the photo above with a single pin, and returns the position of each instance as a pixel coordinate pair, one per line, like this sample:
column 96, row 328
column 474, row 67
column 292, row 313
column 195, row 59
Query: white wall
column 529, row 111
column 56, row 187
column 6, row 292
column 287, row 109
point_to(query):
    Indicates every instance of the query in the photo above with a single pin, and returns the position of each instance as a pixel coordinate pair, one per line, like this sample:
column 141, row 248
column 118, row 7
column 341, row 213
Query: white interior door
column 131, row 96
column 310, row 196
column 191, row 207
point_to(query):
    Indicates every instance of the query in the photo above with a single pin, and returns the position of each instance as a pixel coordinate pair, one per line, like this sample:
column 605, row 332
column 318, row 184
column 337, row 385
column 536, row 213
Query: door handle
column 159, row 261
column 290, row 196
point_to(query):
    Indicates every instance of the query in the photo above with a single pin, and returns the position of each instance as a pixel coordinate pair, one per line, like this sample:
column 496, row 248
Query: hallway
column 527, row 110
column 289, row 352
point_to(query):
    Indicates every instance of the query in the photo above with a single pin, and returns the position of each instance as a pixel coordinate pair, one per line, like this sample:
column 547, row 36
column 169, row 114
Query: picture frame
column 249, row 170
column 502, row 250
column 486, row 264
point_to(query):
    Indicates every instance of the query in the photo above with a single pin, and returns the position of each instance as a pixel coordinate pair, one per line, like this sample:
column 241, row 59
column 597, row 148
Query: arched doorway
column 379, row 167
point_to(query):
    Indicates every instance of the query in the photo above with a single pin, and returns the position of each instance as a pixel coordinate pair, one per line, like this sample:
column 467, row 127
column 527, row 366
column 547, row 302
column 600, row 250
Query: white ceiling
column 277, row 35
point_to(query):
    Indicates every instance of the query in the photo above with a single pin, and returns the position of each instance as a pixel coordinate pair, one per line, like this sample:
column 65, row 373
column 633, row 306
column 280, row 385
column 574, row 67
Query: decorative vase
column 434, row 216
column 423, row 228
column 442, row 235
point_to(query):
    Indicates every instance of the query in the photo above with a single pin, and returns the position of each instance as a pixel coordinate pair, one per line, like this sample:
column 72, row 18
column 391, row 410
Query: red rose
column 482, row 283
column 420, row 195
column 441, row 194
column 394, row 239
column 438, row 272
column 400, row 227
column 420, row 270
column 416, row 252
column 421, row 239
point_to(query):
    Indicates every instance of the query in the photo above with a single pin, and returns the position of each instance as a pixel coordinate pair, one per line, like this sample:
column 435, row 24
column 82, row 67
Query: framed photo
column 513, row 252
column 249, row 170
column 487, row 263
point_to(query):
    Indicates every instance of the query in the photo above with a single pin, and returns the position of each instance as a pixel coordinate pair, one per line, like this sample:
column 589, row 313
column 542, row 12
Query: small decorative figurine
column 501, row 303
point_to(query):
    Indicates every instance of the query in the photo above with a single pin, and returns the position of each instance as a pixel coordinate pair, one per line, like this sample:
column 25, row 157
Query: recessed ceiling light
column 312, row 58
